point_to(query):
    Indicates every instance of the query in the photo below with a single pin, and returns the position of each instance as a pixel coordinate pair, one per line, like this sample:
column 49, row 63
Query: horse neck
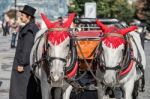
column 134, row 47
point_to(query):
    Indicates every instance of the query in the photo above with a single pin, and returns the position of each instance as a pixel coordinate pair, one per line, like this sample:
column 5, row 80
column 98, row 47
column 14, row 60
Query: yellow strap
column 58, row 29
column 114, row 34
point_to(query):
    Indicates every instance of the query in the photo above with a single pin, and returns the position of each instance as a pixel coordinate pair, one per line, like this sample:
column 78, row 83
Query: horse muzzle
column 58, row 83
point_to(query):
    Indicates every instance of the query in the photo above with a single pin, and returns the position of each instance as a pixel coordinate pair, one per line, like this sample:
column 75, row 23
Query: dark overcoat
column 19, row 81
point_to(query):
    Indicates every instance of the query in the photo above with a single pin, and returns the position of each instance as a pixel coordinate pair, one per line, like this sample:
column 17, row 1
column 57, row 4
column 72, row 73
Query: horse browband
column 114, row 34
column 58, row 29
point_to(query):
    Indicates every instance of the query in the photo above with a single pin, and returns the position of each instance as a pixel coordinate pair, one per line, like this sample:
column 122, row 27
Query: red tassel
column 101, row 25
column 46, row 20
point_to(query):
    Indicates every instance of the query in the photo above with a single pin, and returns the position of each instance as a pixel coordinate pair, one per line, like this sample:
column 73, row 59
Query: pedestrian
column 3, row 28
column 3, row 25
column 7, row 27
column 21, row 69
column 14, row 28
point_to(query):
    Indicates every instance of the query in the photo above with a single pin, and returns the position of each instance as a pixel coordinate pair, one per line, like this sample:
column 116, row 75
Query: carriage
column 80, row 53
column 88, row 35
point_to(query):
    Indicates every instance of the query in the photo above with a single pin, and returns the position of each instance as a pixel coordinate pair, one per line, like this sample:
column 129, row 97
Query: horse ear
column 101, row 25
column 127, row 30
column 46, row 20
column 70, row 19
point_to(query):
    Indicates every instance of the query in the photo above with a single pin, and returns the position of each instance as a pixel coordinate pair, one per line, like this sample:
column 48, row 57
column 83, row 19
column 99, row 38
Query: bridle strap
column 118, row 67
column 57, row 58
column 58, row 29
column 114, row 34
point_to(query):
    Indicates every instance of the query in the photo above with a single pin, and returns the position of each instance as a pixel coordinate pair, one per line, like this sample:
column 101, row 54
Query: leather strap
column 114, row 34
column 58, row 29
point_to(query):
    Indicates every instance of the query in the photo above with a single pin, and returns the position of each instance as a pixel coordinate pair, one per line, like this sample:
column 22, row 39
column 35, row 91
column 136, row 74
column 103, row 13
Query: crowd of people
column 12, row 26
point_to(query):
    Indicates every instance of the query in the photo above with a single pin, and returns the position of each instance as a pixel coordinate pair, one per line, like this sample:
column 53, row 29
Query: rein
column 89, row 65
column 46, row 59
column 38, row 62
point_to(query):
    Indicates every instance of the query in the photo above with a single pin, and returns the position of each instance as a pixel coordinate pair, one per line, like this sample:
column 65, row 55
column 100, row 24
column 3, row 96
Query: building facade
column 52, row 8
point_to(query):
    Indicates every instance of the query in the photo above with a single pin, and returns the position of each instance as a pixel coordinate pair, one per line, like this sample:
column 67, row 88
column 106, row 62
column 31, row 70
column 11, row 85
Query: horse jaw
column 113, row 57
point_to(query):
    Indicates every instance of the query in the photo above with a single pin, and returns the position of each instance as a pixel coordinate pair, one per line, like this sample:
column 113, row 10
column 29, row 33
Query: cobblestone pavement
column 6, row 59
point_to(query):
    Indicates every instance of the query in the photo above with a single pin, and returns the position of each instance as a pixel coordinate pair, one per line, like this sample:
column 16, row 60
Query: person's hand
column 20, row 69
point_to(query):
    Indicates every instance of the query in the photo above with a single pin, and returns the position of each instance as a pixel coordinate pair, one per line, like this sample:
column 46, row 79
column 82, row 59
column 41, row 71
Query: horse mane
column 113, row 42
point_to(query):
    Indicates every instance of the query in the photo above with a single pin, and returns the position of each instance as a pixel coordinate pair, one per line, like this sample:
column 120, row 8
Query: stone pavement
column 6, row 60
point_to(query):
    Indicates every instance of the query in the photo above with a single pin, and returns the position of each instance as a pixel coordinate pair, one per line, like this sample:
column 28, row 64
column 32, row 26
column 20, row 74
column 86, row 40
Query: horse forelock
column 57, row 37
column 113, row 42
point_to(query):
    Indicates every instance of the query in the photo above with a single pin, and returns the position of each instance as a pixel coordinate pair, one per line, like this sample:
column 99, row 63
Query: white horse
column 53, row 60
column 111, row 70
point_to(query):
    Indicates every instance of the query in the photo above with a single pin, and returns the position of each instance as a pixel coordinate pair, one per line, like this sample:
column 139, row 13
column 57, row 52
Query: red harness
column 126, row 71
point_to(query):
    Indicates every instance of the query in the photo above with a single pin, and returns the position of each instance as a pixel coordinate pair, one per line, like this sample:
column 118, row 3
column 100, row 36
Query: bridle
column 52, row 58
column 69, row 61
column 58, row 58
column 102, row 61
column 126, row 62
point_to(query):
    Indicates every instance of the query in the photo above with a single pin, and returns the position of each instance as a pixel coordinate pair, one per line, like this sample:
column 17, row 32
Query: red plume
column 46, row 20
column 127, row 30
column 101, row 25
column 70, row 19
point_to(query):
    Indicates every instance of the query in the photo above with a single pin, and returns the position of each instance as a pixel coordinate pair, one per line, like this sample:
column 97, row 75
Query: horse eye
column 48, row 45
column 68, row 45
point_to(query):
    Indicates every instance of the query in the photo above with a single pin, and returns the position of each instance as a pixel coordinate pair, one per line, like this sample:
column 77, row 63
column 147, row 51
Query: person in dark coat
column 21, row 69
column 7, row 28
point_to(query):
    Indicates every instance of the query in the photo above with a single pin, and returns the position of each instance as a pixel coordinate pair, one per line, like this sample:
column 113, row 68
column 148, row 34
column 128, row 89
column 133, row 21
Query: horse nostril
column 51, row 73
column 49, row 80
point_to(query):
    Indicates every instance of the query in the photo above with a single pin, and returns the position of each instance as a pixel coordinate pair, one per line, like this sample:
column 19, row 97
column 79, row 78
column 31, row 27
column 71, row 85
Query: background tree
column 143, row 11
column 78, row 6
column 119, row 9
column 106, row 8
column 148, row 12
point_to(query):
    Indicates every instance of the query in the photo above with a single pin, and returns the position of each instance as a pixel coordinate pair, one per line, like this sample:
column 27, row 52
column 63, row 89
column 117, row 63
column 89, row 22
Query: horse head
column 60, row 51
column 112, row 46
